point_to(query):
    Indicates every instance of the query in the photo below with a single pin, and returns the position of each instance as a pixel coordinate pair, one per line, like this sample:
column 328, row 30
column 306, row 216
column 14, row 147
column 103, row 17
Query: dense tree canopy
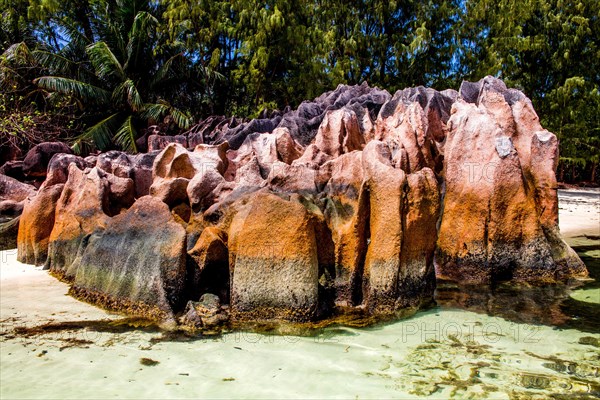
column 98, row 71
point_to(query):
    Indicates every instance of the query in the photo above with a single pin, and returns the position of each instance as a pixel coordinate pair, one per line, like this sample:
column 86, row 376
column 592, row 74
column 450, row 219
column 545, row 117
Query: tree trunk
column 561, row 174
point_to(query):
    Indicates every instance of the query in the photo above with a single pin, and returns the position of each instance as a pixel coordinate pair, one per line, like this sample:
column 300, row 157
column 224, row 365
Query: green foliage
column 128, row 68
column 551, row 50
column 117, row 66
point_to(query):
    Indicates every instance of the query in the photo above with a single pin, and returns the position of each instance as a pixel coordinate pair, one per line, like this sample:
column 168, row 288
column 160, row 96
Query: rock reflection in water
column 549, row 304
column 523, row 304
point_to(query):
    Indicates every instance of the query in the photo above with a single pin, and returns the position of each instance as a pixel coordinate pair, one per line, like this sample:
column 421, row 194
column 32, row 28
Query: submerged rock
column 352, row 202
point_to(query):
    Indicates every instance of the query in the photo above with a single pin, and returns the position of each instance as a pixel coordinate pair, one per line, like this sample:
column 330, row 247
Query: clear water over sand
column 502, row 343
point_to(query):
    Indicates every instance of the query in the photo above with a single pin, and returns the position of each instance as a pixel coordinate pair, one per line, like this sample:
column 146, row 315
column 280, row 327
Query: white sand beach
column 437, row 353
column 579, row 214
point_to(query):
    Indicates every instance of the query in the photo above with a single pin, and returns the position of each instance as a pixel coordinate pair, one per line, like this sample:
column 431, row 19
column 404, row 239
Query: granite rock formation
column 13, row 195
column 355, row 200
column 500, row 216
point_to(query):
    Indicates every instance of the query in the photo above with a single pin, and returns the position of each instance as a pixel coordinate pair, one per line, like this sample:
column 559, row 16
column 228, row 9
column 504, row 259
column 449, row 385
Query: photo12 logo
column 474, row 171
column 490, row 332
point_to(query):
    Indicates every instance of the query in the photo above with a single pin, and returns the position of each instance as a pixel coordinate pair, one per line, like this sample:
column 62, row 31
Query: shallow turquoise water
column 477, row 343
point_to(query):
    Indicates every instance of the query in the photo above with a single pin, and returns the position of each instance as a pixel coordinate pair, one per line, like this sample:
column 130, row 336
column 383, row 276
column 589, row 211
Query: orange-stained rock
column 273, row 259
column 298, row 215
column 386, row 202
column 13, row 196
column 136, row 264
column 500, row 204
column 403, row 208
column 87, row 201
column 416, row 279
column 294, row 178
column 347, row 215
column 211, row 258
column 287, row 148
column 37, row 219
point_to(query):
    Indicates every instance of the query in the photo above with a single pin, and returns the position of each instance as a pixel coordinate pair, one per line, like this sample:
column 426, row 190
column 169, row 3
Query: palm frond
column 155, row 111
column 104, row 61
column 140, row 31
column 17, row 53
column 85, row 91
column 210, row 74
column 181, row 118
column 164, row 71
column 76, row 40
column 126, row 135
column 127, row 89
column 55, row 63
column 100, row 134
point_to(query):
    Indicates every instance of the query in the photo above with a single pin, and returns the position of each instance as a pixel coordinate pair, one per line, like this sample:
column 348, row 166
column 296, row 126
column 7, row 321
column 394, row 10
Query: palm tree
column 126, row 78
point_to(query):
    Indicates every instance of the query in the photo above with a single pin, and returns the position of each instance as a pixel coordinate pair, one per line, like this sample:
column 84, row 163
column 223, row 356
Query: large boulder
column 273, row 260
column 13, row 190
column 88, row 200
column 348, row 201
column 137, row 264
column 347, row 215
column 398, row 271
column 37, row 159
column 405, row 130
column 37, row 219
column 499, row 218
column 201, row 190
column 386, row 201
column 9, row 230
column 172, row 171
column 211, row 264
column 416, row 279
column 13, row 195
column 339, row 133
column 14, row 169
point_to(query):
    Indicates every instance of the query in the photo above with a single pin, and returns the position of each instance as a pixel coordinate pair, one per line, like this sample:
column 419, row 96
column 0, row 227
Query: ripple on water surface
column 501, row 342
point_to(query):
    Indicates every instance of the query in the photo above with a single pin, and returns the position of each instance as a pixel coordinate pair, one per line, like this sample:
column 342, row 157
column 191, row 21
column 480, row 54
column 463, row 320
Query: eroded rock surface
column 136, row 264
column 500, row 217
column 13, row 196
column 355, row 200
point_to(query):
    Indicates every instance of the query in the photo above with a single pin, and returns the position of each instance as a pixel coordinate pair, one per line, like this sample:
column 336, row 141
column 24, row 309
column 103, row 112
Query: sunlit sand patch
column 591, row 295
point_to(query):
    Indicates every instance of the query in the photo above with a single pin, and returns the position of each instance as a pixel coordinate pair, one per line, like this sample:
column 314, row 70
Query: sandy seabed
column 438, row 353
